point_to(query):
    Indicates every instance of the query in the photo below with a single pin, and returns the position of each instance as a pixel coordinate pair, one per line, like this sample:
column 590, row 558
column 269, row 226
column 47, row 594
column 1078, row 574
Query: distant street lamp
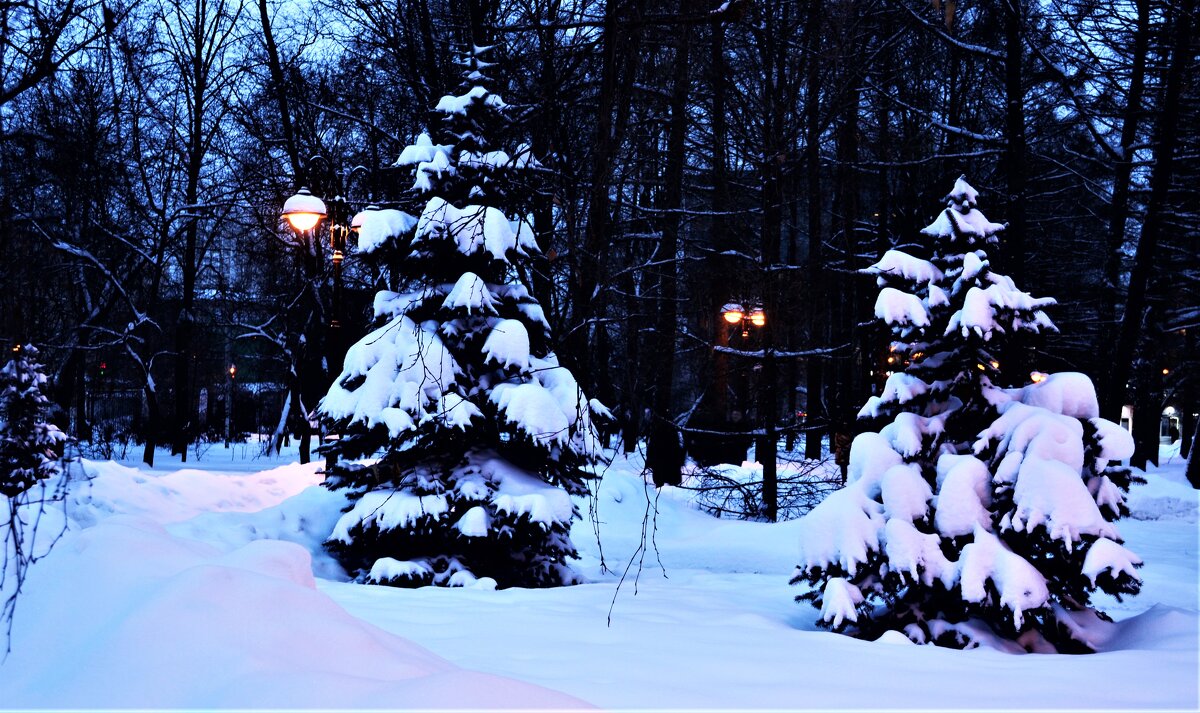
column 735, row 314
column 229, row 392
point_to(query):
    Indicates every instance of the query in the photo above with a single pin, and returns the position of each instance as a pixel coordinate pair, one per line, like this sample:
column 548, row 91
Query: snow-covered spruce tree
column 977, row 513
column 31, row 449
column 483, row 435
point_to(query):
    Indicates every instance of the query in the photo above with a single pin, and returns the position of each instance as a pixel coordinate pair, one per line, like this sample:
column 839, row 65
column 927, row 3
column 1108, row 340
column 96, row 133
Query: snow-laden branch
column 779, row 353
column 139, row 317
column 937, row 123
column 951, row 39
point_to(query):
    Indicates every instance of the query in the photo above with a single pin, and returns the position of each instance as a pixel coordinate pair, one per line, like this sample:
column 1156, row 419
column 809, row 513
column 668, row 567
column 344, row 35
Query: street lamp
column 303, row 212
column 229, row 394
column 734, row 314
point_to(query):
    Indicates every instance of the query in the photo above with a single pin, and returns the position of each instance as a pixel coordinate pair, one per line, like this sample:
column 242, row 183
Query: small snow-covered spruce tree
column 484, row 437
column 31, row 453
column 977, row 513
column 31, row 449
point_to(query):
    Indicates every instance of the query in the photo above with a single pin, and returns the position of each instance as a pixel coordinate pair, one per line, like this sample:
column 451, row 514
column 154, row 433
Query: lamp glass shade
column 758, row 318
column 303, row 210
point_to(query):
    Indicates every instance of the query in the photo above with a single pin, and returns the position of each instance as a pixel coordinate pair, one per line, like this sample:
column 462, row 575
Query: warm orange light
column 1037, row 377
column 733, row 316
column 981, row 367
column 995, row 364
column 1166, row 371
column 232, row 371
column 891, row 360
column 303, row 210
column 758, row 318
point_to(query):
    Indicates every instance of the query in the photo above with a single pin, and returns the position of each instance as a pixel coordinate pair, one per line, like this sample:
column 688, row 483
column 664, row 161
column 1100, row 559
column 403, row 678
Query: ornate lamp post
column 304, row 212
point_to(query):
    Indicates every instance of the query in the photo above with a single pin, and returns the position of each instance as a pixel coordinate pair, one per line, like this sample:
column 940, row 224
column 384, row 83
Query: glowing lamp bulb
column 732, row 313
column 758, row 318
column 1037, row 377
column 303, row 210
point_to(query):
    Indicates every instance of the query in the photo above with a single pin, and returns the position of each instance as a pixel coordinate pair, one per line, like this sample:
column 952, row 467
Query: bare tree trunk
column 279, row 87
column 668, row 271
column 280, row 432
column 774, row 154
column 586, row 299
column 1166, row 139
column 152, row 420
column 433, row 71
column 1193, row 464
column 818, row 415
column 1014, row 134
column 1130, row 124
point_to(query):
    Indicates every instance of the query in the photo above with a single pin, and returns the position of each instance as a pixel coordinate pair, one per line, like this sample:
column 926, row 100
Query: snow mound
column 172, row 623
column 110, row 488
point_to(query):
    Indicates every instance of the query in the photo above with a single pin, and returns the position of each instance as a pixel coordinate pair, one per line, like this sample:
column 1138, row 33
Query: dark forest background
column 697, row 154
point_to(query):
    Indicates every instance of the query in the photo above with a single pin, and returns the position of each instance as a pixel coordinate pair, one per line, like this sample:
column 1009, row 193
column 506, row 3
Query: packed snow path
column 172, row 590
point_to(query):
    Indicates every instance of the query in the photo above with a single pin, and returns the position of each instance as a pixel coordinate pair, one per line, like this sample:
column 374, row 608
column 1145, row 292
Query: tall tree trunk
column 543, row 146
column 435, row 85
column 1162, row 174
column 279, row 89
column 1123, row 171
column 668, row 270
column 774, row 155
column 1014, row 134
column 1193, row 464
column 719, row 264
column 818, row 415
column 152, row 420
column 588, row 274
column 850, row 380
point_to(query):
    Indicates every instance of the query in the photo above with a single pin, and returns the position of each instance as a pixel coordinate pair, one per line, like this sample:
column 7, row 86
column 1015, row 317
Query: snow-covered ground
column 204, row 585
